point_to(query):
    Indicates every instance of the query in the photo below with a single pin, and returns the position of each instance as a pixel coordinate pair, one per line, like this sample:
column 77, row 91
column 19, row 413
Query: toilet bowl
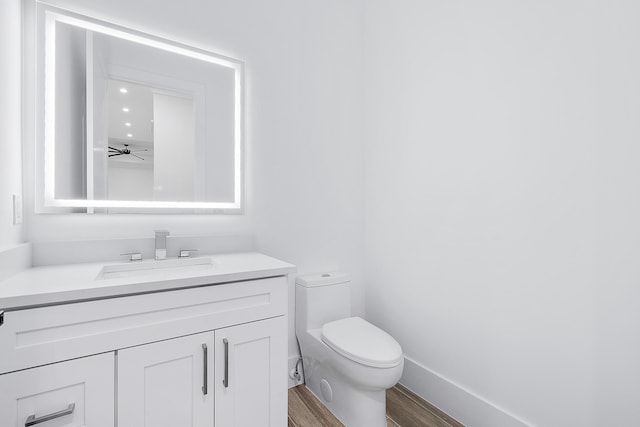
column 348, row 362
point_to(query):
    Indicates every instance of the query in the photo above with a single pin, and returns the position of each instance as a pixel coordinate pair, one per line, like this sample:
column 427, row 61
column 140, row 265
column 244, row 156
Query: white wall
column 307, row 140
column 502, row 203
column 10, row 119
column 127, row 182
column 174, row 151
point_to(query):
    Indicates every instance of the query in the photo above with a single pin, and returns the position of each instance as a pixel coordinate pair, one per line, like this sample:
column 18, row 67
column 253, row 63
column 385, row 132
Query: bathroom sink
column 153, row 267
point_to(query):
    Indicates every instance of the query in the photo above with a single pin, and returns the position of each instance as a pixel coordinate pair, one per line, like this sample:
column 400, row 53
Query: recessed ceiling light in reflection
column 127, row 124
column 130, row 135
column 125, row 109
column 123, row 90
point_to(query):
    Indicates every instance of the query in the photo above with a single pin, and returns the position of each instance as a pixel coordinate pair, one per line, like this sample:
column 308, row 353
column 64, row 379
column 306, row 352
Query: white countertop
column 78, row 282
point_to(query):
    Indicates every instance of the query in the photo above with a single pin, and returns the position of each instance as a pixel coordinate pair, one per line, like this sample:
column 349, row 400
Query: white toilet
column 348, row 362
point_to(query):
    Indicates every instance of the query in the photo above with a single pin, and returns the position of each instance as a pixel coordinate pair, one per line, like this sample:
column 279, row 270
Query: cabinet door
column 251, row 374
column 67, row 394
column 167, row 384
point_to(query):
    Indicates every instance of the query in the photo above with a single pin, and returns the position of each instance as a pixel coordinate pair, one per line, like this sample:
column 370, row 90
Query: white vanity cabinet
column 167, row 384
column 201, row 356
column 233, row 375
column 249, row 386
column 72, row 394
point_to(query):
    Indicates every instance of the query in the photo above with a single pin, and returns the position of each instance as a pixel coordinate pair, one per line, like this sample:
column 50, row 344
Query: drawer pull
column 32, row 420
column 205, row 353
column 225, row 381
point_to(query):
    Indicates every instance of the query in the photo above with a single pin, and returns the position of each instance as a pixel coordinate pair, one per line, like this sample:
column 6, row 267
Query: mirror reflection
column 138, row 122
column 140, row 165
column 130, row 142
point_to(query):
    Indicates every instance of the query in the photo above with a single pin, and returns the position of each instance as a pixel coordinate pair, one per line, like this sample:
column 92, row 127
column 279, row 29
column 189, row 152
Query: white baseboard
column 458, row 402
column 292, row 364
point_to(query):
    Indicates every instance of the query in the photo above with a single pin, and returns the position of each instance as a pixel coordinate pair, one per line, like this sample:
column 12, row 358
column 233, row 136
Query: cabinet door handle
column 32, row 420
column 205, row 352
column 225, row 381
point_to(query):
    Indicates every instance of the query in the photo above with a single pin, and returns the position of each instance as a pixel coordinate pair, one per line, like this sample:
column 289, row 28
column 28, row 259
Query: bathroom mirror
column 128, row 122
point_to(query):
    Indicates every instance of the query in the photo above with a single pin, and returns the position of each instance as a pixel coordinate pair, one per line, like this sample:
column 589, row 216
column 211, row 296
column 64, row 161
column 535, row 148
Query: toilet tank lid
column 322, row 279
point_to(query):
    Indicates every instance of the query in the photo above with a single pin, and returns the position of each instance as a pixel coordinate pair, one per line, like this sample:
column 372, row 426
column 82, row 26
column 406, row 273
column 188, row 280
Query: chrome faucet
column 161, row 244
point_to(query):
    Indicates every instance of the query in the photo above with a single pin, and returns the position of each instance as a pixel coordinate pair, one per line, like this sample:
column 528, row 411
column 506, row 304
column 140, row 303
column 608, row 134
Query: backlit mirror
column 130, row 122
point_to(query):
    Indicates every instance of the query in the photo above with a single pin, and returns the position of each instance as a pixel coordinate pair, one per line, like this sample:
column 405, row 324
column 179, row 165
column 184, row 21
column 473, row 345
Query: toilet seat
column 362, row 342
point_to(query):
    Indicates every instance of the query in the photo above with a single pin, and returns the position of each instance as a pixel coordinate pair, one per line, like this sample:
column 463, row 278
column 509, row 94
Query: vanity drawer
column 71, row 394
column 38, row 336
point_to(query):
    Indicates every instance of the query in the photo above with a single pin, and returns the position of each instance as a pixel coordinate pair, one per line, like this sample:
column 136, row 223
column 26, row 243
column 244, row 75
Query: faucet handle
column 134, row 256
column 161, row 244
column 186, row 253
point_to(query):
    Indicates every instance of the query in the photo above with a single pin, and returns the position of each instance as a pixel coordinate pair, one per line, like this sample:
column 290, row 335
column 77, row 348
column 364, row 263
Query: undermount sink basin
column 153, row 267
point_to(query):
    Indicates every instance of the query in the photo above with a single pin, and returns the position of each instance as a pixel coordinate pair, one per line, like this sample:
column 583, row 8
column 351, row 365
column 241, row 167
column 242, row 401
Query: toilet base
column 354, row 407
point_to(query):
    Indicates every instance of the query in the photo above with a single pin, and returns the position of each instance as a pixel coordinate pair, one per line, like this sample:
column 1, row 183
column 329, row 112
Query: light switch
column 17, row 209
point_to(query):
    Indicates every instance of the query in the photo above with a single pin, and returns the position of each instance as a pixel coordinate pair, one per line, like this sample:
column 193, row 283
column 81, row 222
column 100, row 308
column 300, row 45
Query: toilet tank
column 322, row 298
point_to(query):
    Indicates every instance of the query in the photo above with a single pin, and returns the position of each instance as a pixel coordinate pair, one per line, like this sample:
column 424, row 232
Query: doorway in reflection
column 151, row 144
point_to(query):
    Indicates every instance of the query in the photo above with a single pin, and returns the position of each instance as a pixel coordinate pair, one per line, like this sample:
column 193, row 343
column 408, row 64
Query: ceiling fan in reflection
column 113, row 151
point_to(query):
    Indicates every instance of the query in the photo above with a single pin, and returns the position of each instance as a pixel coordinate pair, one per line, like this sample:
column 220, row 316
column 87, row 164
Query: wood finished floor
column 404, row 409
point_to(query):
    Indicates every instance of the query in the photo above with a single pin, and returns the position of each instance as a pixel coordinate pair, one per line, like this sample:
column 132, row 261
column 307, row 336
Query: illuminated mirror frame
column 47, row 16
